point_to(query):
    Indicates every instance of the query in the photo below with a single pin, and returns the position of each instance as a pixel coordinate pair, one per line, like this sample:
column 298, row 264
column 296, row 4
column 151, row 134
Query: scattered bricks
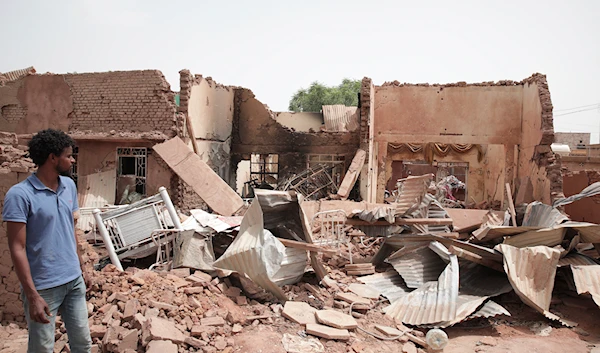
column 111, row 298
column 111, row 338
column 212, row 321
column 97, row 331
column 160, row 346
column 194, row 303
column 95, row 349
column 105, row 308
column 236, row 328
column 90, row 309
column 336, row 319
column 220, row 343
column 241, row 300
column 194, row 342
column 388, row 331
column 353, row 298
column 138, row 321
column 128, row 340
column 164, row 306
column 151, row 312
column 409, row 347
column 188, row 323
column 235, row 314
column 161, row 329
column 299, row 312
column 131, row 308
column 137, row 280
column 327, row 332
column 233, row 292
column 180, row 272
column 340, row 305
column 315, row 291
column 198, row 330
column 199, row 277
column 122, row 297
column 109, row 314
column 362, row 290
column 193, row 290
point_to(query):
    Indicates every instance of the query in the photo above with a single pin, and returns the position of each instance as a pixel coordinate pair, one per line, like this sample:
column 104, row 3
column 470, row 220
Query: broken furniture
column 139, row 229
column 313, row 183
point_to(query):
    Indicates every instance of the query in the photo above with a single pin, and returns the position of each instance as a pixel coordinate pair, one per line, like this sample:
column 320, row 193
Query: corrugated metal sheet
column 433, row 303
column 587, row 280
column 255, row 252
column 429, row 208
column 548, row 237
column 590, row 232
column 380, row 231
column 411, row 192
column 541, row 215
column 340, row 118
column 98, row 190
column 482, row 281
column 292, row 267
column 490, row 232
column 591, row 190
column 17, row 74
column 531, row 271
column 576, row 259
column 490, row 309
column 419, row 267
column 374, row 212
column 390, row 284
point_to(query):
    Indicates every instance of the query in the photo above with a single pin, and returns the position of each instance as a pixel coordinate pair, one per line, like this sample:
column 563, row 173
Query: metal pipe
column 167, row 200
column 107, row 241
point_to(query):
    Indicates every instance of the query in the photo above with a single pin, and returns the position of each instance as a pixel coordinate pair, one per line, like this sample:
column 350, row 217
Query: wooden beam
column 306, row 246
column 402, row 222
column 470, row 256
column 190, row 129
column 511, row 206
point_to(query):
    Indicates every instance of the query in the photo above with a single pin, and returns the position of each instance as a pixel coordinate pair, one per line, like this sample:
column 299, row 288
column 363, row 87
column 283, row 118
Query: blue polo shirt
column 50, row 243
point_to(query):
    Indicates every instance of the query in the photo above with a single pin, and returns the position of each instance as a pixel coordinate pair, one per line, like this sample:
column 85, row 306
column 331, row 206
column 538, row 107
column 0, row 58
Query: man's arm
column 16, row 232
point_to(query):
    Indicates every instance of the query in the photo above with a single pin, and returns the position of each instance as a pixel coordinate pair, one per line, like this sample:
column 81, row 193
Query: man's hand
column 38, row 309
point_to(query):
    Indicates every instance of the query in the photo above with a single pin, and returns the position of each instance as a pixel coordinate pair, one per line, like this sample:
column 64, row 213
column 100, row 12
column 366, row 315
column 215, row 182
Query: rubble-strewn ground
column 131, row 308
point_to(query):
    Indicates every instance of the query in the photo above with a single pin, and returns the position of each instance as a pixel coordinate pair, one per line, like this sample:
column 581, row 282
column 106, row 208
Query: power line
column 577, row 111
column 583, row 106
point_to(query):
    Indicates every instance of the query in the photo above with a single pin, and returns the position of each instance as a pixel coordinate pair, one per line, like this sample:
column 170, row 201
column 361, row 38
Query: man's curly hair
column 46, row 142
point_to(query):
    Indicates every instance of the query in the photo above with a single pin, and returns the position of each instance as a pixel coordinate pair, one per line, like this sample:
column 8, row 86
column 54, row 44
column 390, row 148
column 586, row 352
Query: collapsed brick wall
column 122, row 100
column 14, row 167
column 543, row 154
column 365, row 106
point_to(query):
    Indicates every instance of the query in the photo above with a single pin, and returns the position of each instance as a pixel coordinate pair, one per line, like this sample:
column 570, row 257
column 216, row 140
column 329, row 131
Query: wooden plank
column 511, row 206
column 352, row 174
column 358, row 266
column 470, row 256
column 306, row 246
column 190, row 128
column 197, row 174
column 402, row 222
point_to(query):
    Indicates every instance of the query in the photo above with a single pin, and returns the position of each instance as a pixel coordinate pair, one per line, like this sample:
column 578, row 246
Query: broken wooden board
column 352, row 175
column 307, row 246
column 336, row 319
column 359, row 269
column 468, row 220
column 199, row 176
column 327, row 332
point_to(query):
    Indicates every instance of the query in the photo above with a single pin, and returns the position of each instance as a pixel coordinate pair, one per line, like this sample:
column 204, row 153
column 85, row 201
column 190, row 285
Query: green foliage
column 318, row 95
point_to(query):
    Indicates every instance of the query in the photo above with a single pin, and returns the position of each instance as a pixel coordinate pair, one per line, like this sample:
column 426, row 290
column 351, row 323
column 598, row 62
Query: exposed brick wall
column 124, row 101
column 12, row 113
column 365, row 106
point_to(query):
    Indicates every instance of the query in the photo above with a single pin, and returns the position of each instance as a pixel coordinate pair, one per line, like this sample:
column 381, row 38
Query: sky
column 277, row 47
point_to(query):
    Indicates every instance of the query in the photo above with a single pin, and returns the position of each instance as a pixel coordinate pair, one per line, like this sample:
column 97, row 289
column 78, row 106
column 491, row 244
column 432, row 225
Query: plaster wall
column 301, row 122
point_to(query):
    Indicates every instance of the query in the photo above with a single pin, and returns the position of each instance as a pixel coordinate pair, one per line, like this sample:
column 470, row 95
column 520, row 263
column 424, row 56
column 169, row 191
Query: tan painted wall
column 211, row 110
column 472, row 114
column 486, row 115
column 102, row 156
column 532, row 137
column 302, row 122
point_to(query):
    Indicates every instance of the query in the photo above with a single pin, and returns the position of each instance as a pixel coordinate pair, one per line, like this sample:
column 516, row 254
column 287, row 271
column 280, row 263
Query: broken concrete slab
column 327, row 332
column 363, row 290
column 161, row 329
column 197, row 174
column 131, row 308
column 336, row 319
column 212, row 321
column 299, row 312
column 160, row 346
column 352, row 175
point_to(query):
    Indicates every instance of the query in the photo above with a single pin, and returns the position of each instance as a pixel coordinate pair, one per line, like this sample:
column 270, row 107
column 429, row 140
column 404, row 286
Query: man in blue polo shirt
column 43, row 245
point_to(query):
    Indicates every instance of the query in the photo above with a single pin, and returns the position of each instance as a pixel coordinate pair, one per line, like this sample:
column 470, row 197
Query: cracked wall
column 509, row 120
column 209, row 106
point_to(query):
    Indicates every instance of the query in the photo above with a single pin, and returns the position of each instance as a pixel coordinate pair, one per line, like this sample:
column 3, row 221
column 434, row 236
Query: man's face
column 64, row 162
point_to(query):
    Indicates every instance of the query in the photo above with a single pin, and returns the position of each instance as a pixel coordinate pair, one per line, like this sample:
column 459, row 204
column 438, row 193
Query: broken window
column 264, row 168
column 73, row 171
column 335, row 162
column 131, row 173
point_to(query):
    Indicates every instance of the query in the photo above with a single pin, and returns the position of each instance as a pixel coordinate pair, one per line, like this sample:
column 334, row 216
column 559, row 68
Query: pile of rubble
column 13, row 157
